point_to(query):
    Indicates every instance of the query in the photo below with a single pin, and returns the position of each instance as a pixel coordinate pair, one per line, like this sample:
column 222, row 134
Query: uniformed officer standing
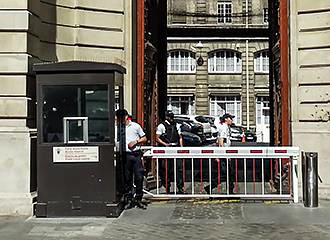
column 168, row 134
column 224, row 133
column 135, row 136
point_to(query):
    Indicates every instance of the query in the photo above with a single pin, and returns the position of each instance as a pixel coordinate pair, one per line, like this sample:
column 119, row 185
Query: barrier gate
column 233, row 172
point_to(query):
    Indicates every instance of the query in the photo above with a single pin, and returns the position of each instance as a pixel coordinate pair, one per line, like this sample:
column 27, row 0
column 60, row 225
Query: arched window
column 261, row 62
column 181, row 61
column 225, row 61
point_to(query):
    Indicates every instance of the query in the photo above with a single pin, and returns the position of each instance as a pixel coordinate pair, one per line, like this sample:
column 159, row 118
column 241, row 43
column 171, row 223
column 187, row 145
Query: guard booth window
column 62, row 102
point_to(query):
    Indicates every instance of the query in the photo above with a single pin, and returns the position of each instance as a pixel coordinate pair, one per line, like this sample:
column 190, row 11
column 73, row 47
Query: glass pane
column 265, row 113
column 75, row 101
column 184, row 108
column 238, row 63
column 238, row 115
column 76, row 131
column 97, row 112
column 221, row 108
column 228, row 13
column 211, row 63
column 222, row 61
column 175, row 107
column 258, row 112
column 221, row 13
column 230, row 61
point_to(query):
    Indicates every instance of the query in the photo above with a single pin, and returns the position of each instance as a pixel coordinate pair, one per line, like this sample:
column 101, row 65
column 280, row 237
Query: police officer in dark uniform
column 134, row 137
column 168, row 134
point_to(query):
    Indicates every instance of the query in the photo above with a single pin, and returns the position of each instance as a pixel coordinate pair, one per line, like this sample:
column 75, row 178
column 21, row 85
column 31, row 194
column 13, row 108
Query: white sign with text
column 75, row 154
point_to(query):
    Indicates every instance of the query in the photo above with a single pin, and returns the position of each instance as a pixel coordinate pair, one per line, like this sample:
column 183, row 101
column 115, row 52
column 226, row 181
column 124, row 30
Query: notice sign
column 75, row 154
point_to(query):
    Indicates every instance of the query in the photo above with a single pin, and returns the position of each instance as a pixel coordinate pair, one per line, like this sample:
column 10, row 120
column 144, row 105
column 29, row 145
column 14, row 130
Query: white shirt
column 224, row 132
column 162, row 130
column 133, row 132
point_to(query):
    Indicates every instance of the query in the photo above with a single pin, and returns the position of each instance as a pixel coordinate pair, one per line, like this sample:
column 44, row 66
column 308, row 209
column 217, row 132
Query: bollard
column 311, row 180
column 303, row 170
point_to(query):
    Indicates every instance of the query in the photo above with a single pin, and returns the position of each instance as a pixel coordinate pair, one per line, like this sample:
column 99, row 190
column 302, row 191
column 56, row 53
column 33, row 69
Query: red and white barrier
column 281, row 161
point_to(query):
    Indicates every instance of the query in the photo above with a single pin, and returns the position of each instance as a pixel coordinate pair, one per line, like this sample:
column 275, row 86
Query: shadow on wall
column 48, row 30
column 42, row 48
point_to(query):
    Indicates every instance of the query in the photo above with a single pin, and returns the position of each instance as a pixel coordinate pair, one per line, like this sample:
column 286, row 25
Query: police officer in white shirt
column 224, row 130
column 224, row 141
column 135, row 136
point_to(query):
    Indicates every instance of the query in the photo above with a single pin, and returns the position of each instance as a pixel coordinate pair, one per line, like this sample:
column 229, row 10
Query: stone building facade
column 309, row 107
column 33, row 31
column 36, row 31
column 218, row 60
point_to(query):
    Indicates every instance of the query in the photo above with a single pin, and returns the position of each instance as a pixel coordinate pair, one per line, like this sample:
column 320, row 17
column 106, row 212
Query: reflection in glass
column 76, row 132
column 75, row 101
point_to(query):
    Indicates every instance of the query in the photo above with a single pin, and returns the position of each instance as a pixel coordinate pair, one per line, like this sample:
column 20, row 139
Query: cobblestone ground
column 183, row 220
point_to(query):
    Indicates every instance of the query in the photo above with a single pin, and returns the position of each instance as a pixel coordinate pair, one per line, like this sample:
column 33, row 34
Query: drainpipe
column 247, row 67
column 246, row 13
column 247, row 85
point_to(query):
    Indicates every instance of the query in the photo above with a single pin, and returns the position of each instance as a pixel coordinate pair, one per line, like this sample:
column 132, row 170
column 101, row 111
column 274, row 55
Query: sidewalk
column 183, row 220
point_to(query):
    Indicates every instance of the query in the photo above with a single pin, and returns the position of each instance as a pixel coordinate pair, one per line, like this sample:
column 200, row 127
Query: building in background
column 218, row 60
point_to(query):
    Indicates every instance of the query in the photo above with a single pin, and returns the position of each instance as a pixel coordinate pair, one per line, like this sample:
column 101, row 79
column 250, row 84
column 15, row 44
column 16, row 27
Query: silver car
column 207, row 130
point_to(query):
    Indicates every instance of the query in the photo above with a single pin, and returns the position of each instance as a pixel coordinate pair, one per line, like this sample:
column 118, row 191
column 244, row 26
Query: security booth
column 78, row 174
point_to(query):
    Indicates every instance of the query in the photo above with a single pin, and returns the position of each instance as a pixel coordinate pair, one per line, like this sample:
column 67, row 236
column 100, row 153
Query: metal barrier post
column 294, row 175
column 303, row 169
column 311, row 174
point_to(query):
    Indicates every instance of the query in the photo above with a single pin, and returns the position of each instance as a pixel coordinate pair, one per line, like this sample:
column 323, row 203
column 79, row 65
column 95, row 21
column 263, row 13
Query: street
column 183, row 220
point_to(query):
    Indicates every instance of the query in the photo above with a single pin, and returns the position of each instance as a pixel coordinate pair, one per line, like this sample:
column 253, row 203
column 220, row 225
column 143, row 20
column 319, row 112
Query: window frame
column 235, row 99
column 226, row 18
column 262, row 103
column 263, row 68
column 171, row 63
column 265, row 15
column 190, row 100
column 213, row 63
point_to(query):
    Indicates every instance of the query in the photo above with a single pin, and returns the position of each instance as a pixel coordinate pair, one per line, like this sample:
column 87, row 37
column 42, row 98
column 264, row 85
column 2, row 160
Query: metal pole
column 303, row 169
column 311, row 174
column 247, row 85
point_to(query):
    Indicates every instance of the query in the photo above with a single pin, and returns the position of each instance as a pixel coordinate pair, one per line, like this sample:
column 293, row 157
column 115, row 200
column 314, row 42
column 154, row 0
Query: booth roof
column 78, row 66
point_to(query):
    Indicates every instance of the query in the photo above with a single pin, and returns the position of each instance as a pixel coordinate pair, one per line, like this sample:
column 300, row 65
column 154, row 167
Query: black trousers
column 134, row 170
column 170, row 172
column 223, row 173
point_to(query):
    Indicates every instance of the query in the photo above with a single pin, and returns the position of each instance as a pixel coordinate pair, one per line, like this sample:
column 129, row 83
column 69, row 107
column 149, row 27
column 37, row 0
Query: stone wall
column 33, row 31
column 310, row 83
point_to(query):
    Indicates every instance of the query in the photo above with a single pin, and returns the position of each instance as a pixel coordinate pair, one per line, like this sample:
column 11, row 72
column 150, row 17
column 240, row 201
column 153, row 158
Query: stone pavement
column 183, row 220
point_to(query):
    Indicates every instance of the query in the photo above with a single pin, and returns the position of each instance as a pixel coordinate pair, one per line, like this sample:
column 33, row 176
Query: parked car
column 207, row 130
column 192, row 133
column 250, row 136
column 214, row 128
column 236, row 133
column 191, row 139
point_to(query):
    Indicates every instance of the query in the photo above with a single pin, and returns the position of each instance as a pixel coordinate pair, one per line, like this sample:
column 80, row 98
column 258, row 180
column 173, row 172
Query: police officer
column 168, row 134
column 224, row 130
column 224, row 133
column 135, row 136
